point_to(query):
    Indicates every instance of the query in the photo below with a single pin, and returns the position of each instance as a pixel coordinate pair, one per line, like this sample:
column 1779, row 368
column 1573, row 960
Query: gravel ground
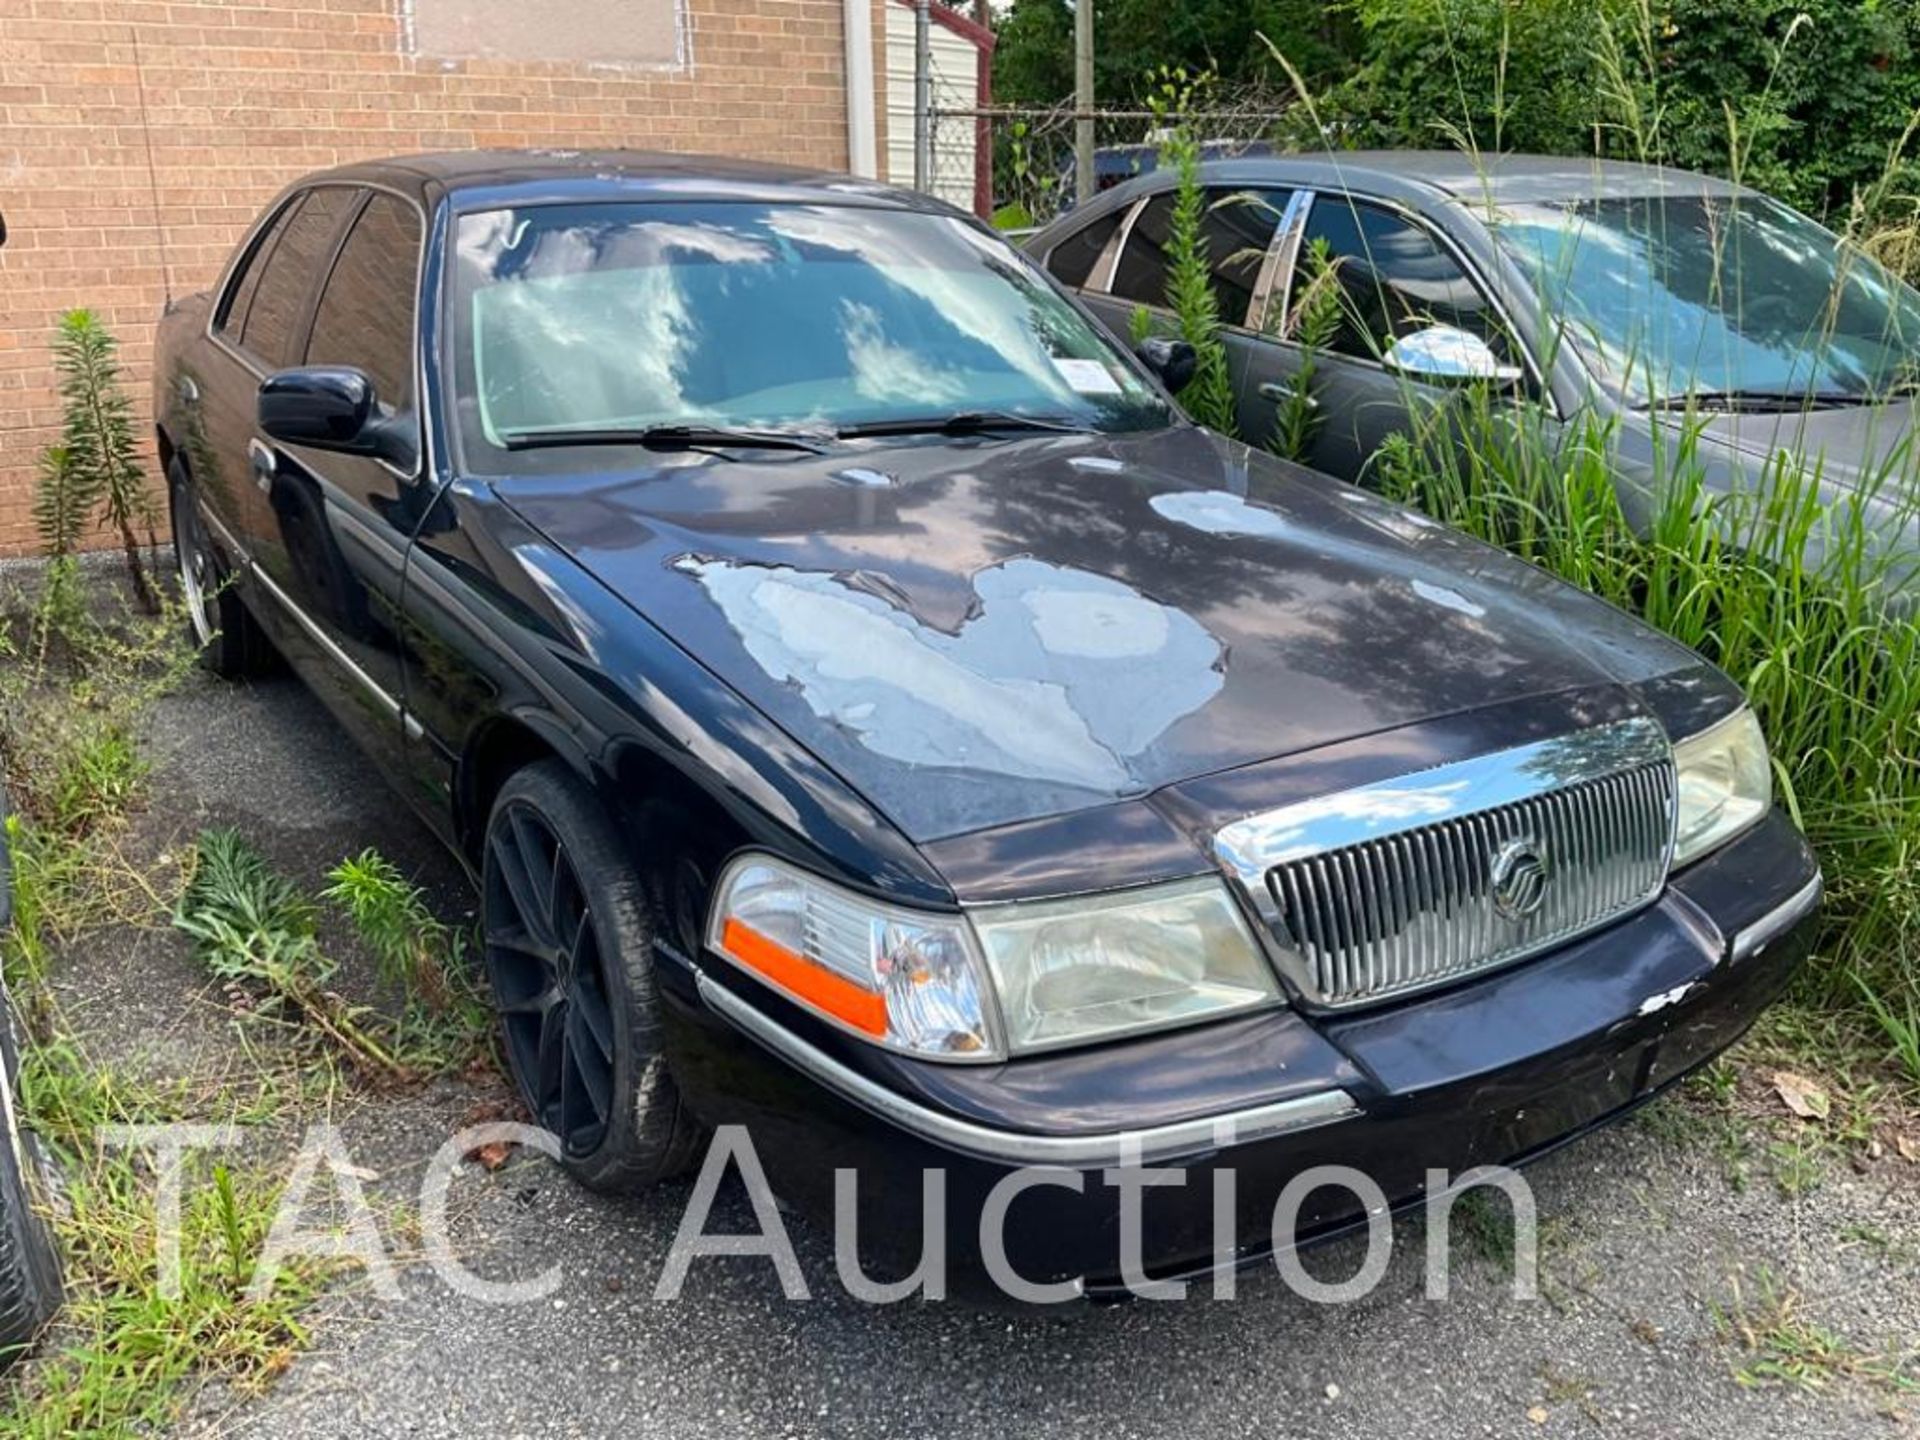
column 1644, row 1243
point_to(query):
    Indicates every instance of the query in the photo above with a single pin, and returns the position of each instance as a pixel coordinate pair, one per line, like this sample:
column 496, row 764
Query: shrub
column 97, row 450
column 1208, row 397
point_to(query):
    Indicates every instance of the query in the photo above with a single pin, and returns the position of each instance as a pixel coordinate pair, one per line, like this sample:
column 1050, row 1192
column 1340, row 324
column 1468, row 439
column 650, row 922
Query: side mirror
column 334, row 407
column 1446, row 355
column 1172, row 360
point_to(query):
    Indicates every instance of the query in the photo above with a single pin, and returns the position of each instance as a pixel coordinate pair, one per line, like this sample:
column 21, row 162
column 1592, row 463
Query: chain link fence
column 1015, row 164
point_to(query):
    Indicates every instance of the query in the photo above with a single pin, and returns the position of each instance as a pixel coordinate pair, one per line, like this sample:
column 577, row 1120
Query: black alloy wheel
column 569, row 953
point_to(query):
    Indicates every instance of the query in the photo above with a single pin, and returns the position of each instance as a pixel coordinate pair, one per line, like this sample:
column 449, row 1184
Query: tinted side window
column 1142, row 272
column 1395, row 277
column 365, row 315
column 233, row 310
column 291, row 270
column 1237, row 227
column 1073, row 259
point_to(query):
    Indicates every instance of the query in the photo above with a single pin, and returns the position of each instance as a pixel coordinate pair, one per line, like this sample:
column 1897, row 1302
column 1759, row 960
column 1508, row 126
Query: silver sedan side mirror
column 1447, row 355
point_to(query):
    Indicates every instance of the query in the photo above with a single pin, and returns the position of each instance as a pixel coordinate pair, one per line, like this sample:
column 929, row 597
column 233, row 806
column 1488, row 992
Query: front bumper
column 1497, row 1070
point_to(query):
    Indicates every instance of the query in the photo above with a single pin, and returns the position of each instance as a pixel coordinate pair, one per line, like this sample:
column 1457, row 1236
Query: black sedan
column 874, row 716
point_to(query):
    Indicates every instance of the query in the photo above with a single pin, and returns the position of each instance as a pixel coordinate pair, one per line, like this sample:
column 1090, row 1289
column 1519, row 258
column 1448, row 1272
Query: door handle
column 1275, row 391
column 263, row 464
column 189, row 392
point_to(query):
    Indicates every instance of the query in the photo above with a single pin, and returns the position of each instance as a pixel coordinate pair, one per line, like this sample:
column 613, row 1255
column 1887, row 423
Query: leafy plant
column 1312, row 325
column 64, row 496
column 252, row 927
column 126, row 1356
column 98, row 448
column 409, row 943
column 1208, row 397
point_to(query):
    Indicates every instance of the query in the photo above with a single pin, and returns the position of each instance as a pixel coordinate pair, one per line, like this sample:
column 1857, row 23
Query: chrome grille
column 1397, row 887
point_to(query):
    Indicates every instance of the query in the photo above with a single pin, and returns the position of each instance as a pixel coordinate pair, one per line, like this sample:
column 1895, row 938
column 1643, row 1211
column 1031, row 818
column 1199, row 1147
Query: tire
column 569, row 953
column 29, row 1262
column 231, row 642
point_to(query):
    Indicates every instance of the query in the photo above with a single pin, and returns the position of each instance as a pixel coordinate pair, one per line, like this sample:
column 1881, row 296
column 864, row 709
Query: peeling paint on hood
column 1221, row 512
column 1030, row 686
column 1008, row 631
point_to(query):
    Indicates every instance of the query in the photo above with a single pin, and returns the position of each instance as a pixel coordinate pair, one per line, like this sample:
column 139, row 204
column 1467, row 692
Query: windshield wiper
column 668, row 437
column 1756, row 399
column 964, row 422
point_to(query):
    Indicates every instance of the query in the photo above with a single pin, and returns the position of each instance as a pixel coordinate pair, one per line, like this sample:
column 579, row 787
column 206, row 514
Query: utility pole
column 922, row 95
column 1083, row 100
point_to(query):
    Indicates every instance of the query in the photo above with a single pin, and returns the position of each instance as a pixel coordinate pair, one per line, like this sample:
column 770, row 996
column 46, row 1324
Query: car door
column 1395, row 276
column 1129, row 271
column 250, row 336
column 332, row 548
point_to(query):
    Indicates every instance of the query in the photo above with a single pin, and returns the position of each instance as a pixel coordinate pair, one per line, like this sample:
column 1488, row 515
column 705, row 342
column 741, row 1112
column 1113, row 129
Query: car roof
column 615, row 174
column 1414, row 175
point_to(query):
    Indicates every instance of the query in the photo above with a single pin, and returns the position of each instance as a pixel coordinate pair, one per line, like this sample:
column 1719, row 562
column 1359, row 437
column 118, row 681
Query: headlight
column 1064, row 971
column 1725, row 782
column 904, row 980
column 1070, row 971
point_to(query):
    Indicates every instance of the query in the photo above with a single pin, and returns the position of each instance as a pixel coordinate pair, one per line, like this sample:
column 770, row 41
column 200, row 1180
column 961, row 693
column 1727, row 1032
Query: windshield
column 762, row 317
column 1667, row 295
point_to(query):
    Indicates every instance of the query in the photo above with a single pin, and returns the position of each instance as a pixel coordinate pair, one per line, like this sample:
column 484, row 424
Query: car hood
column 1849, row 441
column 978, row 632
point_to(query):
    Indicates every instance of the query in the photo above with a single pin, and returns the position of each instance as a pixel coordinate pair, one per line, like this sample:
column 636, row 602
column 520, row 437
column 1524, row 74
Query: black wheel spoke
column 538, row 861
column 590, row 1068
column 552, row 1067
column 594, row 1018
column 520, row 892
column 537, row 1003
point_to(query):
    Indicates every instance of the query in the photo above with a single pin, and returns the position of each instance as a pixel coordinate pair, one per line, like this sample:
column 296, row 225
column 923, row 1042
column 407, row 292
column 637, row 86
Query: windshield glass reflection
column 1669, row 294
column 756, row 316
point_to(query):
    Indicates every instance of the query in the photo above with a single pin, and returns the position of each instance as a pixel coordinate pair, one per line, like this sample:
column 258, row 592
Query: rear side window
column 289, row 272
column 1396, row 279
column 233, row 311
column 1073, row 259
column 1237, row 227
column 365, row 315
column 1142, row 272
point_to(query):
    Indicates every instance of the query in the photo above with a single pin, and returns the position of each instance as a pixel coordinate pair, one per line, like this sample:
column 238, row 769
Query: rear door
column 1127, row 273
column 334, row 550
column 250, row 335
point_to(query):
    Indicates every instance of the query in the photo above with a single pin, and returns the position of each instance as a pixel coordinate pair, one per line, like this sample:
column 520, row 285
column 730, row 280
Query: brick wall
column 242, row 97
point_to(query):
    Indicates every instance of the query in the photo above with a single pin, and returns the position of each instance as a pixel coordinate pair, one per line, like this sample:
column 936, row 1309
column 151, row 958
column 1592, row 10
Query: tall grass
column 1791, row 590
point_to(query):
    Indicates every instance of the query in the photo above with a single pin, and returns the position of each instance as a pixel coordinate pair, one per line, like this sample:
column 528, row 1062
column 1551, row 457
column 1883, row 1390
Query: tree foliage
column 1134, row 39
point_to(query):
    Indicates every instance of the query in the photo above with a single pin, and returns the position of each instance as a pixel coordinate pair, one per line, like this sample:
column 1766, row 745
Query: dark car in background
column 873, row 715
column 1646, row 299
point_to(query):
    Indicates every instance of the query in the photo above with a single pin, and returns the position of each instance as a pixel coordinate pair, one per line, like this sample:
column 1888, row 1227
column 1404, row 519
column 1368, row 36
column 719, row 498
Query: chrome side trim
column 226, row 537
column 346, row 662
column 1010, row 1147
column 1777, row 921
column 1276, row 271
column 1101, row 280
